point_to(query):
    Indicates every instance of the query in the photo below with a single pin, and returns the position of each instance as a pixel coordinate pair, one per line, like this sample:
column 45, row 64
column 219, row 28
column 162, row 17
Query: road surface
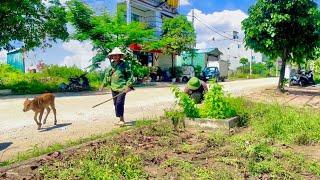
column 76, row 118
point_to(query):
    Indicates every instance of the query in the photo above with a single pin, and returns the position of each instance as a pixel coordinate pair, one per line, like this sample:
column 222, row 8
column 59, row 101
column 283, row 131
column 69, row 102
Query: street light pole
column 193, row 46
column 251, row 63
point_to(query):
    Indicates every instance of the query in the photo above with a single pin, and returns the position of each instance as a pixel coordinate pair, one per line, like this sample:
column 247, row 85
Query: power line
column 217, row 32
column 218, row 29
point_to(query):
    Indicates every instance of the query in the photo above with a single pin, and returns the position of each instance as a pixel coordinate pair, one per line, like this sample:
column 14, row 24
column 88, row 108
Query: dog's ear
column 27, row 99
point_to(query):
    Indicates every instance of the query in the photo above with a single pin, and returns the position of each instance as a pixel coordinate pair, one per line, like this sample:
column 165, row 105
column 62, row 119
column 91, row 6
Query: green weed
column 217, row 139
column 215, row 104
column 109, row 162
column 176, row 117
column 188, row 105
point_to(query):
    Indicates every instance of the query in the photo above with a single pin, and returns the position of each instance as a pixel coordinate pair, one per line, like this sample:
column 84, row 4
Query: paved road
column 76, row 118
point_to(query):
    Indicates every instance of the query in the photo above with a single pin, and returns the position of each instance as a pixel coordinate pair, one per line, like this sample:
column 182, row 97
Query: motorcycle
column 76, row 84
column 302, row 79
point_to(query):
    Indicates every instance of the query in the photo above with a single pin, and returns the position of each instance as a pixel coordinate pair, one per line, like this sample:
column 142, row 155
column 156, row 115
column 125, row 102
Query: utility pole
column 251, row 63
column 193, row 46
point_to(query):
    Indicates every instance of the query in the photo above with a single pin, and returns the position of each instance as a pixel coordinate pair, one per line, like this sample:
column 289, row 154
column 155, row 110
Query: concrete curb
column 214, row 124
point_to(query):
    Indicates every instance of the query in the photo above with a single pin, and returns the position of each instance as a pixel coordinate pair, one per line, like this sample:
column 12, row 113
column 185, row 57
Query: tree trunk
column 282, row 73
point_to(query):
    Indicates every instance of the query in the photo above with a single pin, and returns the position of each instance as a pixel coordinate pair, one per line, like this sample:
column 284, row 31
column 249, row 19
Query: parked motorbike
column 302, row 79
column 76, row 84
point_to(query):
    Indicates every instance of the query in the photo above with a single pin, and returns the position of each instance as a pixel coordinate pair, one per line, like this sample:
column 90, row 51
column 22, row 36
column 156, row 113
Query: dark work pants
column 119, row 103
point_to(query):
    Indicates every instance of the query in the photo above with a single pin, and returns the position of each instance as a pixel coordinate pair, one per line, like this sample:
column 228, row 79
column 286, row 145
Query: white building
column 236, row 51
column 151, row 12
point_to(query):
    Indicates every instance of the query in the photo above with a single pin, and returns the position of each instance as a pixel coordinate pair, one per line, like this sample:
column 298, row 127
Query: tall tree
column 283, row 28
column 105, row 31
column 178, row 36
column 32, row 23
column 243, row 61
column 270, row 64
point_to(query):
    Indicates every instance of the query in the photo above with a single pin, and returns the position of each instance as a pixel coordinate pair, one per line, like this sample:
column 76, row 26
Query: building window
column 135, row 17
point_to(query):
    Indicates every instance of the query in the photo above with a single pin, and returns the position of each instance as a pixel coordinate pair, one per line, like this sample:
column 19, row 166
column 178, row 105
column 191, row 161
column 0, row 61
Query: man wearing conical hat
column 196, row 89
column 119, row 79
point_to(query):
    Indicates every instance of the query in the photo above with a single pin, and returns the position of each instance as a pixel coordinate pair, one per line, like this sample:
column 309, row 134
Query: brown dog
column 38, row 104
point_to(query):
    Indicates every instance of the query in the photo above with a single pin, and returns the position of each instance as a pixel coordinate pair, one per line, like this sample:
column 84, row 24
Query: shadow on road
column 307, row 91
column 4, row 145
column 131, row 123
column 55, row 127
column 66, row 94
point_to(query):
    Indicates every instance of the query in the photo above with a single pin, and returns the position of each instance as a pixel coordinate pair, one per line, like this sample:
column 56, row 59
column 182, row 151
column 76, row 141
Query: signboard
column 16, row 60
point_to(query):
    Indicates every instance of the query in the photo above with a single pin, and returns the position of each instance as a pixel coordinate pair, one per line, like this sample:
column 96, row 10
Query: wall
column 164, row 62
column 198, row 60
column 237, row 51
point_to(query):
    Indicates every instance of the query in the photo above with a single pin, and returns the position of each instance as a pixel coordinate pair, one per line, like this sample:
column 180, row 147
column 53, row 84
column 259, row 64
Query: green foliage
column 244, row 61
column 189, row 106
column 284, row 124
column 107, row 163
column 259, row 70
column 215, row 104
column 216, row 139
column 48, row 23
column 46, row 81
column 62, row 71
column 105, row 31
column 286, row 29
column 176, row 117
column 178, row 35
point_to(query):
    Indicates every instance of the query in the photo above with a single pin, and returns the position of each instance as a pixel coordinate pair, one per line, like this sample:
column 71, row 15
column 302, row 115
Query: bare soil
column 308, row 97
column 164, row 153
column 295, row 96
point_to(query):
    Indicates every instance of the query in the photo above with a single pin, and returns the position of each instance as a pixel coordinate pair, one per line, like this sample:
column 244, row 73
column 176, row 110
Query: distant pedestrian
column 196, row 89
column 119, row 79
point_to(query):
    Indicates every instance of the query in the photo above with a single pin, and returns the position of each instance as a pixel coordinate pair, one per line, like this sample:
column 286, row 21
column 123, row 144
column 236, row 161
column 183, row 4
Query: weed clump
column 217, row 139
column 176, row 117
column 215, row 104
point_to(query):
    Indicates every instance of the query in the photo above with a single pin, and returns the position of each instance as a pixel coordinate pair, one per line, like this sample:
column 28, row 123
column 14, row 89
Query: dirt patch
column 157, row 152
column 295, row 96
column 312, row 152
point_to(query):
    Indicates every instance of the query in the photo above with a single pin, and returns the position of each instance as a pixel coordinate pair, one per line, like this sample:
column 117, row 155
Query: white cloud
column 223, row 22
column 82, row 53
column 47, row 3
column 184, row 3
column 3, row 56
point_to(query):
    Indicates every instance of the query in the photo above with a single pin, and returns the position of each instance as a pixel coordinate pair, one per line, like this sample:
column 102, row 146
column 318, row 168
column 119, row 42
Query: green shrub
column 46, row 81
column 189, row 107
column 176, row 118
column 216, row 105
column 62, row 71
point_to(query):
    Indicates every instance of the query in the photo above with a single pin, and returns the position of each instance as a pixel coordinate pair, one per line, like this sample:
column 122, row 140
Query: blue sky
column 224, row 15
column 209, row 6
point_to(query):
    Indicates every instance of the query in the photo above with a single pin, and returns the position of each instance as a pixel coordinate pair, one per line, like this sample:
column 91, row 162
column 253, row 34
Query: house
column 203, row 58
column 235, row 51
column 16, row 58
column 212, row 57
column 151, row 12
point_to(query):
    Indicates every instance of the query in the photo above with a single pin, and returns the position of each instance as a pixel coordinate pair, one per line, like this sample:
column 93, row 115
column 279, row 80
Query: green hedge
column 46, row 81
